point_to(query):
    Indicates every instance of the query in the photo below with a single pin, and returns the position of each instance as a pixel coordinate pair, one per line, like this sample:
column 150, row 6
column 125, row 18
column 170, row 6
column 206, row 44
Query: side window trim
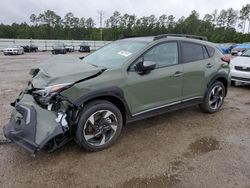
column 169, row 41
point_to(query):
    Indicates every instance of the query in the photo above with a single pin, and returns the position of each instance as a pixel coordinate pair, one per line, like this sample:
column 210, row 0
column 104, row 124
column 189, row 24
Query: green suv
column 91, row 99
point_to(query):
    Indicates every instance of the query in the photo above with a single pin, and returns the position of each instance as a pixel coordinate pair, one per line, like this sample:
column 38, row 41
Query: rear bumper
column 31, row 126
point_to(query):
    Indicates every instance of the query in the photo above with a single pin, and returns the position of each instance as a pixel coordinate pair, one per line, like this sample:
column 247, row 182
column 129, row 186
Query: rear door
column 196, row 62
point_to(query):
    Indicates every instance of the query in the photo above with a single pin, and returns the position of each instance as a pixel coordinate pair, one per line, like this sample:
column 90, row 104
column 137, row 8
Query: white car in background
column 240, row 68
column 13, row 50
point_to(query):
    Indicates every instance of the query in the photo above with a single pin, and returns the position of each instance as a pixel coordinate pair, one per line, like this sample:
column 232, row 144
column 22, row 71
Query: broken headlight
column 44, row 95
column 47, row 91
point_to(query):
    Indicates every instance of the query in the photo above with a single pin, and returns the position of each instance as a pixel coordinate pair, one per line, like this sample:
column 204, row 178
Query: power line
column 101, row 13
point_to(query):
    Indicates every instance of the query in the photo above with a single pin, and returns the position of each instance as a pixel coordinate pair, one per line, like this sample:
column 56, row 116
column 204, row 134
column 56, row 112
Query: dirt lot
column 185, row 148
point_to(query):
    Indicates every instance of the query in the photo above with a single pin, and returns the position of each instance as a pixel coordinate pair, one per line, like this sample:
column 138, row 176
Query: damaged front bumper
column 32, row 126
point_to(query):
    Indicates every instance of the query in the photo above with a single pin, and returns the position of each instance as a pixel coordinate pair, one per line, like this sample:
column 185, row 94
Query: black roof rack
column 133, row 36
column 180, row 35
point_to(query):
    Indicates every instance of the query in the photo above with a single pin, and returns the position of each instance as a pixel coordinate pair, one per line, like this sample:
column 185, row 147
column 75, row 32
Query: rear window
column 210, row 51
column 205, row 52
column 191, row 52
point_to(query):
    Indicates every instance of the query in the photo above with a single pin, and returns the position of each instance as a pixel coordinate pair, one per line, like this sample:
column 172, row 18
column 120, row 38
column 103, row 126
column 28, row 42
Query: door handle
column 178, row 73
column 209, row 65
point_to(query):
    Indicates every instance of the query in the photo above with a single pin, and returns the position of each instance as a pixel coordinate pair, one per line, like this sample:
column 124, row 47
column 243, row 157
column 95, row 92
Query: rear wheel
column 214, row 98
column 99, row 126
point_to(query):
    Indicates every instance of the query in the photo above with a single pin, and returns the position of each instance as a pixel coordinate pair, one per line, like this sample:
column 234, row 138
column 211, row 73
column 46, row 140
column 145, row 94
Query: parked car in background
column 13, row 50
column 30, row 48
column 58, row 48
column 69, row 48
column 84, row 47
column 241, row 48
column 90, row 100
column 240, row 68
column 226, row 48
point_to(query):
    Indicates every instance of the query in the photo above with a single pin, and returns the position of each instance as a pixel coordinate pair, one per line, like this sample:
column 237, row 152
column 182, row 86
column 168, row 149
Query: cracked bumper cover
column 31, row 126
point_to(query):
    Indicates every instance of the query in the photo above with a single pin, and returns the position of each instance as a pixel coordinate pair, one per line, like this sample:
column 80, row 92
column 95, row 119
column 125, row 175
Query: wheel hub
column 100, row 127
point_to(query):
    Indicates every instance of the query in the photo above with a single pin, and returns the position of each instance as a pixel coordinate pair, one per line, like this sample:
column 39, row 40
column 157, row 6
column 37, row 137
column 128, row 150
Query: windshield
column 246, row 54
column 114, row 54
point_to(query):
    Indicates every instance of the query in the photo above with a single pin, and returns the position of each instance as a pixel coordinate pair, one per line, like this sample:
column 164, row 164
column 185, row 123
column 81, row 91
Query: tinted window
column 210, row 51
column 163, row 55
column 205, row 53
column 191, row 52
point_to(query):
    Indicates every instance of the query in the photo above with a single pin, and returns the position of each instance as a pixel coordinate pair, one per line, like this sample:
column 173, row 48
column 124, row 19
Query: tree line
column 220, row 26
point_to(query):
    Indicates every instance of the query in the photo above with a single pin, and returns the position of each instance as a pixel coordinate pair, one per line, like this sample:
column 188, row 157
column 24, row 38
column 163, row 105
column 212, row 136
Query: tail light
column 226, row 59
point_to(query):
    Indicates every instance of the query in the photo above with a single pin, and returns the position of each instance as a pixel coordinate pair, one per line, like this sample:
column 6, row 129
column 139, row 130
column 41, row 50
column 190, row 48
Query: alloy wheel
column 100, row 127
column 216, row 97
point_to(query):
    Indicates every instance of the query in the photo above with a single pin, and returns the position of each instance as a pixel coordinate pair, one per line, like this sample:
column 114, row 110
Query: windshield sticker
column 124, row 53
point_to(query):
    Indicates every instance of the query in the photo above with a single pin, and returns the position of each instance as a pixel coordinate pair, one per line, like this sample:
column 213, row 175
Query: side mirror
column 144, row 67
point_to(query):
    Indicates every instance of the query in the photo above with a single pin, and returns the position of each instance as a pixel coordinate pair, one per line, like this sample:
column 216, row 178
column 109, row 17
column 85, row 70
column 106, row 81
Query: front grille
column 240, row 79
column 239, row 68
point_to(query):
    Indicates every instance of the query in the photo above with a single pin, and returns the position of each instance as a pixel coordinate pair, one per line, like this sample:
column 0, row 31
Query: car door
column 160, row 87
column 196, row 62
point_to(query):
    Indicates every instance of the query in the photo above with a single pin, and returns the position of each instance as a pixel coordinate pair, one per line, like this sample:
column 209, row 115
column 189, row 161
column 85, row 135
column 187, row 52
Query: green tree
column 232, row 17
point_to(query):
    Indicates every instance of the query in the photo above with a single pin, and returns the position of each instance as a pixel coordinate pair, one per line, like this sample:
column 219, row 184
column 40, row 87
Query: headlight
column 51, row 89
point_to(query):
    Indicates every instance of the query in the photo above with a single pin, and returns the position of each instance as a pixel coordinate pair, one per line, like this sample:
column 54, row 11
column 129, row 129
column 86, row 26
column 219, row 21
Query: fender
column 108, row 92
column 216, row 77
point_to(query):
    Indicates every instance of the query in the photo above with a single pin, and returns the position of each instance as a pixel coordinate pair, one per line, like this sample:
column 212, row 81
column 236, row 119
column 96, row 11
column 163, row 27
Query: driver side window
column 163, row 55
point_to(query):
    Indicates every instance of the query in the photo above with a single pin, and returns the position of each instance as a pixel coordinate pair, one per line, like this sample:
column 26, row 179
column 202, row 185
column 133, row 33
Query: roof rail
column 180, row 35
column 133, row 36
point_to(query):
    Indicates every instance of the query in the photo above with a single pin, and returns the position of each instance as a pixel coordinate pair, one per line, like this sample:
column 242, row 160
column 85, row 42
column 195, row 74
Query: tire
column 214, row 98
column 90, row 136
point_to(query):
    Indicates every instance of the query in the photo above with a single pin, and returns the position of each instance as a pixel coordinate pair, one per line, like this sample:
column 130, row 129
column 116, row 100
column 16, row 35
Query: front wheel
column 99, row 126
column 214, row 98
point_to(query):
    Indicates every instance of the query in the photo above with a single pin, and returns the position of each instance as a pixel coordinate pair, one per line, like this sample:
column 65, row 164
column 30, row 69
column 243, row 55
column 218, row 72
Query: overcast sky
column 20, row 10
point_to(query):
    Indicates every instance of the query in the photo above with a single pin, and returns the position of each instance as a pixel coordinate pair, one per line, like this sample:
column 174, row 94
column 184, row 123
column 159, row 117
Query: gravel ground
column 185, row 148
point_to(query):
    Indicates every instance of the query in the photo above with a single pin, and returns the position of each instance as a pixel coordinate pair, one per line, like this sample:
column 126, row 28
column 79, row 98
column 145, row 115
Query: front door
column 161, row 86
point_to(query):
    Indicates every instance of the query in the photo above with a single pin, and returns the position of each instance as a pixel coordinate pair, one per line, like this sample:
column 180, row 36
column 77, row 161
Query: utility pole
column 101, row 13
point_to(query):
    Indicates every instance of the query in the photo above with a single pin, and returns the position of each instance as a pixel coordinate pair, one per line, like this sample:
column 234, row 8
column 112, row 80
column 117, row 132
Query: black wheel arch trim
column 218, row 77
column 108, row 92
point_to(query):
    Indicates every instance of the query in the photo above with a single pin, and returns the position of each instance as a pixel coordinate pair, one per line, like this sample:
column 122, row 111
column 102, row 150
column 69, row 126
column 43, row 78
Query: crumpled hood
column 241, row 61
column 61, row 69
